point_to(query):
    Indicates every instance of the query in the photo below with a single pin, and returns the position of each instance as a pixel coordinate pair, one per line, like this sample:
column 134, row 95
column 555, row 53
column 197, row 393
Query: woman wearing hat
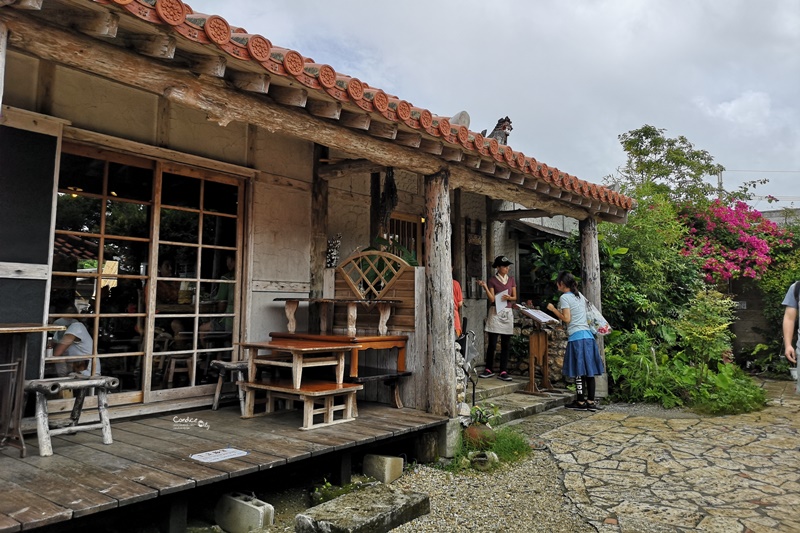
column 500, row 322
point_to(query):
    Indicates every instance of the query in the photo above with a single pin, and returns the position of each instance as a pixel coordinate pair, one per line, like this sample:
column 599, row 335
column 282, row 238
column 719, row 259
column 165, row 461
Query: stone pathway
column 674, row 471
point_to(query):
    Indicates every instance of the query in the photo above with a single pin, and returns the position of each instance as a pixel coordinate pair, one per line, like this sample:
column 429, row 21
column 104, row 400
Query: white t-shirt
column 83, row 343
column 791, row 301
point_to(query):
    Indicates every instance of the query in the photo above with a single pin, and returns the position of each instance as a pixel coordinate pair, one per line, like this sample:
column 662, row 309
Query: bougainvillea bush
column 733, row 241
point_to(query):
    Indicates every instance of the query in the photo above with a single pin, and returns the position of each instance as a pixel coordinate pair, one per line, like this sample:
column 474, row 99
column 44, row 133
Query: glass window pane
column 127, row 219
column 180, row 191
column 219, row 231
column 125, row 181
column 127, row 368
column 81, row 174
column 221, row 197
column 125, row 257
column 78, row 213
column 179, row 226
column 181, row 261
column 217, row 264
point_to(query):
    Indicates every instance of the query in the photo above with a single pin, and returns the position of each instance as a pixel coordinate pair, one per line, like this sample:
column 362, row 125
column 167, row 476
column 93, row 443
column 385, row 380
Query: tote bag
column 597, row 323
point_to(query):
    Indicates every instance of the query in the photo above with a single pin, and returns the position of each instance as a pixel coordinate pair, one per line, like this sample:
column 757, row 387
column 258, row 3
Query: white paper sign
column 499, row 303
column 214, row 456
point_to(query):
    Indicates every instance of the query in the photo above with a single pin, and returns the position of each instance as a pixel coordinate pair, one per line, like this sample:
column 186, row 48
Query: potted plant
column 479, row 434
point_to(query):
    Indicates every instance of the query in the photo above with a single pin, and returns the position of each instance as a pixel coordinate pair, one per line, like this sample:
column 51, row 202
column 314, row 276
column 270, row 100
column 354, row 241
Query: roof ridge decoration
column 238, row 43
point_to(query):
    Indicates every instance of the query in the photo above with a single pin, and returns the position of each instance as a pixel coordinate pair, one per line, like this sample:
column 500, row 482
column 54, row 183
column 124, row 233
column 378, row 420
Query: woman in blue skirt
column 582, row 360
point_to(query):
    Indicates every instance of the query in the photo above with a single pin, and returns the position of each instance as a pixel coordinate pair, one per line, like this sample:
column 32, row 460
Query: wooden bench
column 360, row 373
column 82, row 385
column 311, row 393
column 389, row 378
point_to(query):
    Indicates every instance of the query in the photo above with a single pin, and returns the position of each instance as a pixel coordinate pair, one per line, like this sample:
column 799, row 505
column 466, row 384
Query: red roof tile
column 236, row 42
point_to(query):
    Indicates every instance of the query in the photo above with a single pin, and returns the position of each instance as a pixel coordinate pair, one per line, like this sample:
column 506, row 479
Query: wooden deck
column 150, row 457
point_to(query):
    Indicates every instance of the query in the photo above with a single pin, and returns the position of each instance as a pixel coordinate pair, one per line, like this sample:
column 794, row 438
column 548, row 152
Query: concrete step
column 514, row 404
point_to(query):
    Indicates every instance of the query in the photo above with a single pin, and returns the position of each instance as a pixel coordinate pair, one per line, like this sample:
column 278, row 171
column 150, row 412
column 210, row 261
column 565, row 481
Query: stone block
column 239, row 513
column 384, row 468
column 377, row 509
column 450, row 436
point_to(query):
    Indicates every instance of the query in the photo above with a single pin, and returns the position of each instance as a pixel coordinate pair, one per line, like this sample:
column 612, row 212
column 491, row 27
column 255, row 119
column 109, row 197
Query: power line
column 772, row 171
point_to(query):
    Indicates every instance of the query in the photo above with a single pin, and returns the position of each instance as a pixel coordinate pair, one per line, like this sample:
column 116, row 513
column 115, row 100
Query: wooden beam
column 31, row 5
column 159, row 46
column 502, row 173
column 452, row 154
column 517, row 177
column 324, row 108
column 487, row 167
column 288, row 95
column 406, row 138
column 208, row 65
column 383, row 130
column 348, row 167
column 124, row 66
column 431, row 147
column 251, row 82
column 472, row 161
column 518, row 214
column 359, row 121
column 94, row 23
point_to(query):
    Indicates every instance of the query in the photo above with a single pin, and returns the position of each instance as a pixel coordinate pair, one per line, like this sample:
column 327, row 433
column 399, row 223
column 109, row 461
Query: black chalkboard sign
column 27, row 165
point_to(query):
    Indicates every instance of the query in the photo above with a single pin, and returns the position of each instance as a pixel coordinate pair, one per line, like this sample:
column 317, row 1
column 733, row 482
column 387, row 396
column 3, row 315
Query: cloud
column 750, row 113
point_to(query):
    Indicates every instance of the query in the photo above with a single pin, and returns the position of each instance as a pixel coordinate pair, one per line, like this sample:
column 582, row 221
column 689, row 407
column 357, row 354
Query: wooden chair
column 186, row 360
column 238, row 369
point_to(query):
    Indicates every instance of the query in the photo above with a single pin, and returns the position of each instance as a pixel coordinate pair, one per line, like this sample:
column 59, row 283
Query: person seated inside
column 75, row 340
column 224, row 301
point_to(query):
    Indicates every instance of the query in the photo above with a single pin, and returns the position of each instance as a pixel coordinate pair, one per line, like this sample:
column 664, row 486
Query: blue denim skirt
column 582, row 358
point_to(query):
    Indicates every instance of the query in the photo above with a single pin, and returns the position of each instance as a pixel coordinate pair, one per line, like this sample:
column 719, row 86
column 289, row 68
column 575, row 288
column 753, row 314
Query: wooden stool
column 82, row 385
column 188, row 368
column 239, row 367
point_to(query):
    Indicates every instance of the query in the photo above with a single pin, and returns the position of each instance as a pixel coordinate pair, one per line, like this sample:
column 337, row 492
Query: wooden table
column 356, row 344
column 13, row 355
column 326, row 309
column 297, row 355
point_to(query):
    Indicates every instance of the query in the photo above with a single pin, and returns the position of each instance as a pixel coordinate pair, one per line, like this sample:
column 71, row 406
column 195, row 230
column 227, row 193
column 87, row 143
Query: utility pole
column 719, row 184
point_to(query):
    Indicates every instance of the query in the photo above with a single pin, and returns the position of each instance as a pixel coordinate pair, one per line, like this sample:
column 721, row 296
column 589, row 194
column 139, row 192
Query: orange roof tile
column 215, row 31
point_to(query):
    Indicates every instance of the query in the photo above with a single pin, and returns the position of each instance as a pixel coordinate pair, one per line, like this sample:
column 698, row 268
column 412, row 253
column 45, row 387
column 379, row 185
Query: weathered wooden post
column 439, row 296
column 590, row 274
column 3, row 47
column 319, row 240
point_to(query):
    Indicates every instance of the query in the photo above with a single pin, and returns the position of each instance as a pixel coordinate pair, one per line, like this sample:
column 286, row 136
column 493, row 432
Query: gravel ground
column 527, row 496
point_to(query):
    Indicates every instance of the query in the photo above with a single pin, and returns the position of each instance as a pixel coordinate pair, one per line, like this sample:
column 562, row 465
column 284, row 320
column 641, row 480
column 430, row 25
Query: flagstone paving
column 673, row 471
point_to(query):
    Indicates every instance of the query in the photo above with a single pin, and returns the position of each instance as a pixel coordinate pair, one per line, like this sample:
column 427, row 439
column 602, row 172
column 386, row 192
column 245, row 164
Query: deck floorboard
column 150, row 458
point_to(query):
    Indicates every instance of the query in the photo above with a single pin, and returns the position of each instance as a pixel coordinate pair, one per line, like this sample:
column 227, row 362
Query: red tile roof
column 214, row 31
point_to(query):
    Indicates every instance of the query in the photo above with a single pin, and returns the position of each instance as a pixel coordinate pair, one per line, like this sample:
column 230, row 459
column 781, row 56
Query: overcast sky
column 573, row 75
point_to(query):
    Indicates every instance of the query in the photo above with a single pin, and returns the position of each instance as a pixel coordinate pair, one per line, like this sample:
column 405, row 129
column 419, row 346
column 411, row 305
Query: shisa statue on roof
column 501, row 131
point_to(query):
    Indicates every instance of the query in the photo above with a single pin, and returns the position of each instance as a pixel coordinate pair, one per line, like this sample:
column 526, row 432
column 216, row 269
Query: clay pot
column 479, row 436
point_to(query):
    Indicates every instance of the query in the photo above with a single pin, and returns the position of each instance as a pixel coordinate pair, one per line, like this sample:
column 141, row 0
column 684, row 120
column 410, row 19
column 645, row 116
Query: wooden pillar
column 439, row 297
column 374, row 206
column 319, row 236
column 458, row 240
column 3, row 47
column 590, row 275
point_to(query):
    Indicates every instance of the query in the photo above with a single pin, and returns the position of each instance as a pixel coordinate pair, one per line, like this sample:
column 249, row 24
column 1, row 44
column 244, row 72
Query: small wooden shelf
column 333, row 402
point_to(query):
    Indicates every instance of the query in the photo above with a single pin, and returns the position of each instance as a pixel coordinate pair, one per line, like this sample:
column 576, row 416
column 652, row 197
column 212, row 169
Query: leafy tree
column 674, row 166
column 654, row 280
